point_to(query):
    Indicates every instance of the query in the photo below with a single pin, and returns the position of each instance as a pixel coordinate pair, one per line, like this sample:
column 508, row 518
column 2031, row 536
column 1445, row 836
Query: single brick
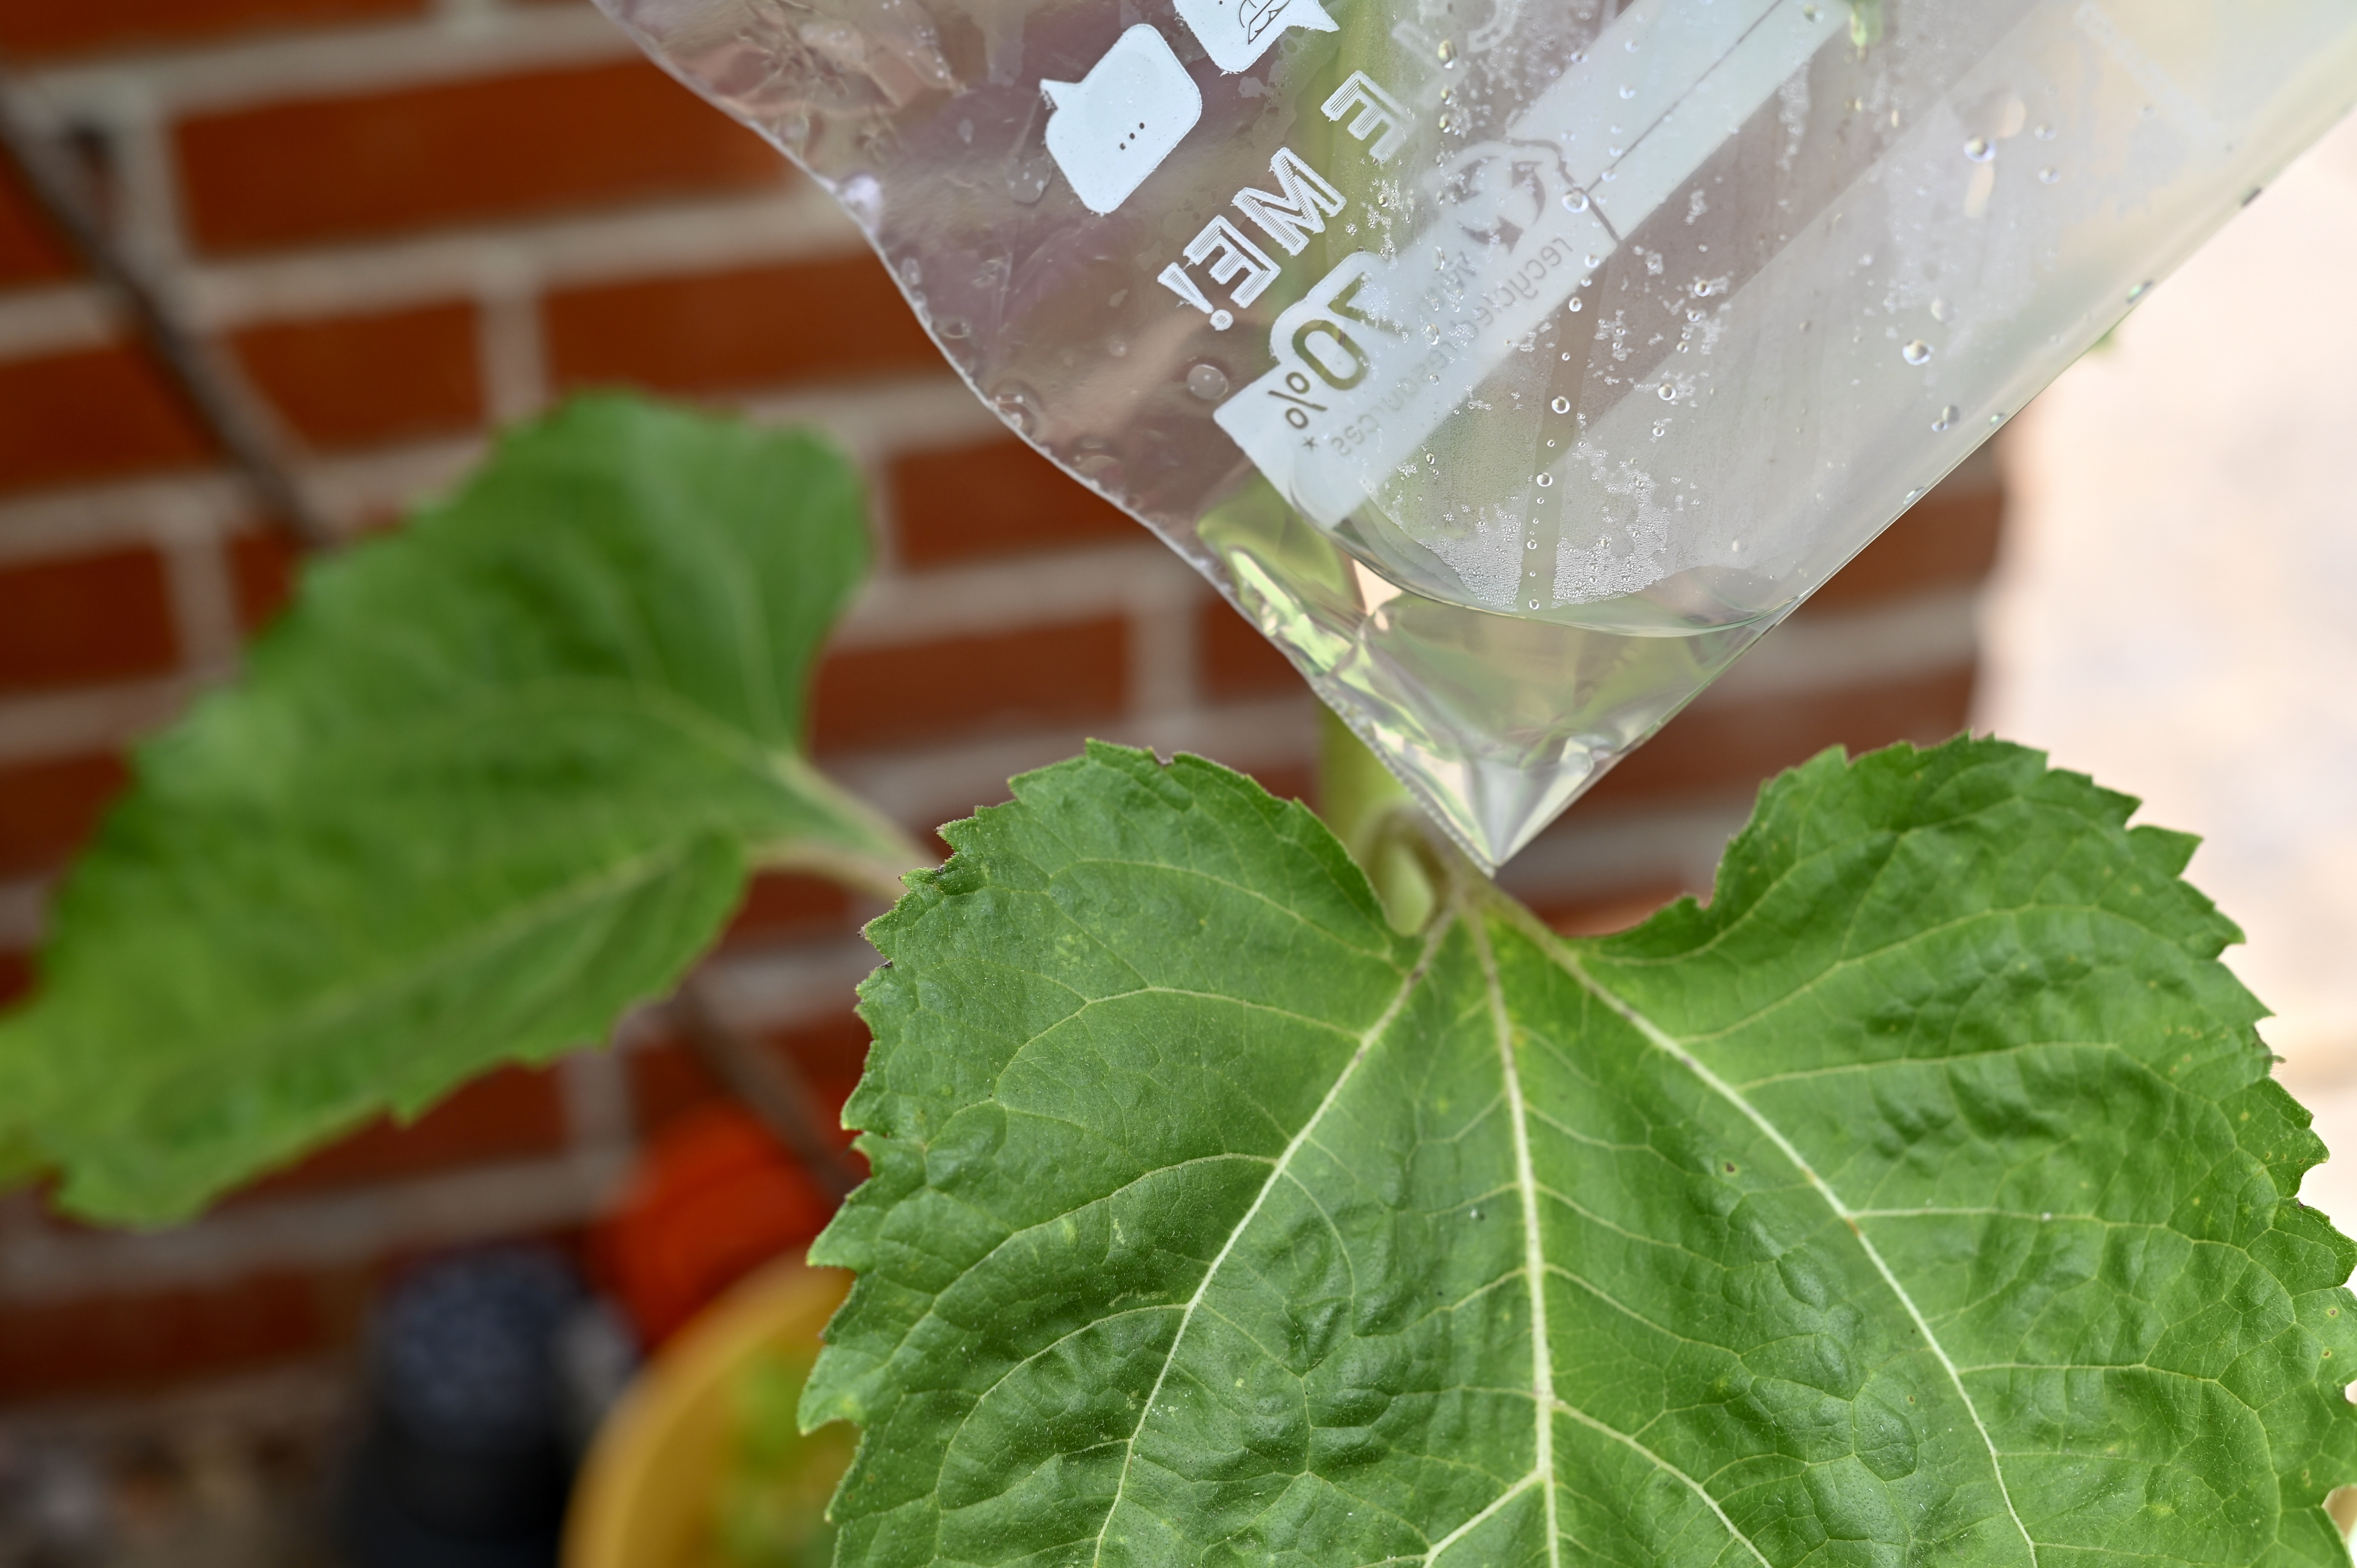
column 925, row 691
column 782, row 904
column 49, row 809
column 1233, row 661
column 359, row 380
column 991, row 498
column 669, row 1079
column 752, row 326
column 513, row 1113
column 93, row 413
column 328, row 169
column 31, row 27
column 31, row 250
column 1949, row 538
column 1728, row 747
column 85, row 618
column 1601, row 914
column 261, row 569
column 143, row 1340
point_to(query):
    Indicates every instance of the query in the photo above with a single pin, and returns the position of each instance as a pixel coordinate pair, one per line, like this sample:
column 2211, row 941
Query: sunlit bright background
column 2177, row 610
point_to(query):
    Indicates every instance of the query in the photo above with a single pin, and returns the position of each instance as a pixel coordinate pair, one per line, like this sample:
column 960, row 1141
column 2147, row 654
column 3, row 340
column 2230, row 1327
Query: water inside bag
column 1515, row 364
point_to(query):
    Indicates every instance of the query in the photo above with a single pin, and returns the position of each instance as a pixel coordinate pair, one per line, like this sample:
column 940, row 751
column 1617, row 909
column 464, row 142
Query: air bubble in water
column 1948, row 417
column 1918, row 352
column 1207, row 382
column 1980, row 149
column 1561, row 405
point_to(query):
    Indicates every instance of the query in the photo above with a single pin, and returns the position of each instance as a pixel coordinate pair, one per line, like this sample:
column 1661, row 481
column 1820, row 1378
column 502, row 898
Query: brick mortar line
column 330, row 62
column 1018, row 592
column 873, row 421
column 1870, row 645
column 39, row 1264
column 1609, row 851
column 926, row 787
column 647, row 243
column 642, row 242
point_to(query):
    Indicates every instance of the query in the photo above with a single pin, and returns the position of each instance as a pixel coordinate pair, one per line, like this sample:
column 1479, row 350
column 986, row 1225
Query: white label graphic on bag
column 1382, row 349
column 1236, row 33
column 1379, row 351
column 1115, row 126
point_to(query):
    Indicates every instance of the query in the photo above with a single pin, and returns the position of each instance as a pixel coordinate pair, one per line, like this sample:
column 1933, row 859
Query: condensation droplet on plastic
column 2139, row 291
column 1534, row 544
column 1627, row 90
column 1207, row 382
column 1948, row 417
column 954, row 328
column 1666, row 393
column 2044, row 132
column 1918, row 352
column 1914, row 495
column 1545, row 480
column 1940, row 308
column 2050, row 175
column 1561, row 405
column 1574, row 307
column 1980, row 149
column 1446, row 51
column 1576, row 201
column 912, row 270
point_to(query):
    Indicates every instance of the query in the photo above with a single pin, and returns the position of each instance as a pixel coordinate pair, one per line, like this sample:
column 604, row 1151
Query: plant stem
column 1380, row 823
column 768, row 1084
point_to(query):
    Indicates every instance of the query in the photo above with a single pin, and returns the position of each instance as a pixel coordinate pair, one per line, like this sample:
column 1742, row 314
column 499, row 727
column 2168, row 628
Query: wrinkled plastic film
column 1513, row 365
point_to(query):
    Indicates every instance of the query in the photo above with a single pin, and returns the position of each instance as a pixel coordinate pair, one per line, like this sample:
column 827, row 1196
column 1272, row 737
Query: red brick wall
column 410, row 218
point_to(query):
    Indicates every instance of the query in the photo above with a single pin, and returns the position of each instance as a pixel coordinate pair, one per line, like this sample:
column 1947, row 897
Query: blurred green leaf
column 492, row 781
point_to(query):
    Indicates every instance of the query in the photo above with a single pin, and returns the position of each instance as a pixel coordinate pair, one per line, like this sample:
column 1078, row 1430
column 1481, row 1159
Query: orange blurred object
column 714, row 1199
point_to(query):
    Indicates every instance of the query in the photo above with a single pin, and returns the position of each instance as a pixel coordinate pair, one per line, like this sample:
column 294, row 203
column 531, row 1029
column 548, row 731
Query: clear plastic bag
column 1514, row 364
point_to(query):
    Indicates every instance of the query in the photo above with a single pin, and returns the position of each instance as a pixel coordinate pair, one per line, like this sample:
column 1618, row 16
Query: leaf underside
column 491, row 780
column 1923, row 1198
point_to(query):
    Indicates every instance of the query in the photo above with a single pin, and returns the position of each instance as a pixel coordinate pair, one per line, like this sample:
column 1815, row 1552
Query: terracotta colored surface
column 879, row 696
column 359, row 380
column 89, row 415
column 330, row 168
column 987, row 499
column 76, row 619
column 508, row 1113
column 48, row 808
column 748, row 327
column 34, row 28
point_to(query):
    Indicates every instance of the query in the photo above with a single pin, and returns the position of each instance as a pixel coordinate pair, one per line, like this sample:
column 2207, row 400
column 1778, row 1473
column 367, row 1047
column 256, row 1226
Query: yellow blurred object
column 659, row 1479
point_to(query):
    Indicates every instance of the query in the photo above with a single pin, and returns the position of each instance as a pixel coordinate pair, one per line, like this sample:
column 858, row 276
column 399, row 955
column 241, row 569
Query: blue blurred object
column 466, row 1462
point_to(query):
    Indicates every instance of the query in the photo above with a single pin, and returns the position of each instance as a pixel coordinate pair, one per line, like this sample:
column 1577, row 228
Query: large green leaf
column 491, row 780
column 1923, row 1199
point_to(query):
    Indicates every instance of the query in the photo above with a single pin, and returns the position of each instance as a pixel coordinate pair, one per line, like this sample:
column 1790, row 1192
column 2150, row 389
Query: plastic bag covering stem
column 1515, row 365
